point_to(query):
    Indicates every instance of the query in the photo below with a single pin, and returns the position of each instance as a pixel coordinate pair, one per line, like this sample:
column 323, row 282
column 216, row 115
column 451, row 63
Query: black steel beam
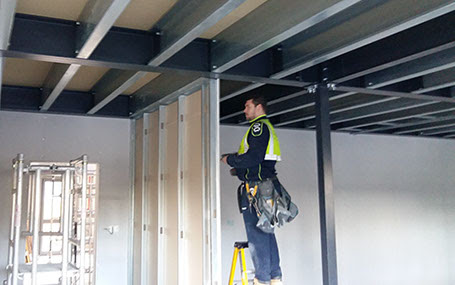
column 440, row 36
column 96, row 19
column 148, row 68
column 389, row 117
column 199, row 15
column 424, row 126
column 259, row 30
column 157, row 89
column 395, row 94
column 304, row 51
column 449, row 128
column 19, row 98
column 325, row 186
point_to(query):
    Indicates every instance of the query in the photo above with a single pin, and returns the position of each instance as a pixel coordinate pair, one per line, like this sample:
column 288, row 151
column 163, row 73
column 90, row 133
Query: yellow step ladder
column 239, row 247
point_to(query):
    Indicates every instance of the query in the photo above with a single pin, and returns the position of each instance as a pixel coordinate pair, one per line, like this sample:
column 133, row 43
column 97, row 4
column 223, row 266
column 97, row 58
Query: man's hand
column 224, row 159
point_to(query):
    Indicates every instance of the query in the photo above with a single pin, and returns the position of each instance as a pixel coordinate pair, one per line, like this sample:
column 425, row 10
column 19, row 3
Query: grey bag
column 274, row 206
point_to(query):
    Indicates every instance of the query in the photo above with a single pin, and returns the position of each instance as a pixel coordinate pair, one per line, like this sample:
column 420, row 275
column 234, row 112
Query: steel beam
column 395, row 94
column 17, row 98
column 449, row 128
column 381, row 29
column 148, row 68
column 347, row 67
column 439, row 36
column 159, row 89
column 438, row 80
column 7, row 9
column 393, row 116
column 259, row 30
column 434, row 124
column 427, row 65
column 428, row 121
column 96, row 20
column 199, row 16
column 325, row 186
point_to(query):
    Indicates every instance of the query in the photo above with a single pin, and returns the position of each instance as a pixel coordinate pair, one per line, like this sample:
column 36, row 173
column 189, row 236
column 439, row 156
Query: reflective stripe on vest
column 273, row 148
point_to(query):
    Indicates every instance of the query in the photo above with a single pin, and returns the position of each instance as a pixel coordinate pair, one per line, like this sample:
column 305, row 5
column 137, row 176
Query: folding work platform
column 58, row 243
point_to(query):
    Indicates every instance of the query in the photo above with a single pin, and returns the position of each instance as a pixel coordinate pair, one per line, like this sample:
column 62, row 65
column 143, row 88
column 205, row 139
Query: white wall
column 60, row 138
column 394, row 207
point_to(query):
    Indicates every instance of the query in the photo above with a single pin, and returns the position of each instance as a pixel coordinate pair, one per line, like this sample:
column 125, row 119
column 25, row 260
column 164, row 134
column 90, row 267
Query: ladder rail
column 17, row 216
column 73, row 211
column 36, row 222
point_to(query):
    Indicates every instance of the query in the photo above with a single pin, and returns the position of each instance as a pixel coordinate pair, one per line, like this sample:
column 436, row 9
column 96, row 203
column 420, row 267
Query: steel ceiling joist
column 148, row 68
column 395, row 94
column 438, row 80
column 96, row 20
column 383, row 21
column 442, row 130
column 398, row 124
column 17, row 98
column 176, row 33
column 427, row 65
column 422, row 66
column 259, row 30
column 392, row 116
column 439, row 123
column 7, row 9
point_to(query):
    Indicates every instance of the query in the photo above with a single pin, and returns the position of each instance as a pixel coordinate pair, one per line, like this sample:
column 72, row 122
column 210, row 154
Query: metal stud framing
column 210, row 182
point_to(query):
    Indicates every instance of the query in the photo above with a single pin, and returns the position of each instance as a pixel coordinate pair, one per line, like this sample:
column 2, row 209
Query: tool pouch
column 242, row 198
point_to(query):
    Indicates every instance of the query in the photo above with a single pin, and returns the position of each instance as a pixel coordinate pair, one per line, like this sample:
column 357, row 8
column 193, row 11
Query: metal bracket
column 312, row 88
column 331, row 86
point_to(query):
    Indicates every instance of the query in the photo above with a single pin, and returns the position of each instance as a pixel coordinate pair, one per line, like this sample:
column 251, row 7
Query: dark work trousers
column 263, row 249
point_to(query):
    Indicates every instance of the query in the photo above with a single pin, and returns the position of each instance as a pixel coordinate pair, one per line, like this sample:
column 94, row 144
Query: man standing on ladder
column 254, row 164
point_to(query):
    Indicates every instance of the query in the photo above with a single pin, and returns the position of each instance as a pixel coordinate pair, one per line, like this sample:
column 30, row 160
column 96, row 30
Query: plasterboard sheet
column 193, row 191
column 137, row 240
column 233, row 17
column 152, row 197
column 86, row 77
column 170, row 206
column 141, row 82
column 143, row 14
column 23, row 72
column 62, row 9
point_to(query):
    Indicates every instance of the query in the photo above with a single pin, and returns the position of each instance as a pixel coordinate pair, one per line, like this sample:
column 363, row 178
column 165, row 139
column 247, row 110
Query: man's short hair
column 259, row 99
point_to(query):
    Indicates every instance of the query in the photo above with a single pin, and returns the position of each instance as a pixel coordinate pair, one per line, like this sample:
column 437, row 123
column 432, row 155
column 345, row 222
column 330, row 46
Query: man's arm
column 258, row 139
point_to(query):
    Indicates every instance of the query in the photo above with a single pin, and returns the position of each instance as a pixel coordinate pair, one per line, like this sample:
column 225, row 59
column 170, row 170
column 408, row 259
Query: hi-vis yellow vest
column 273, row 148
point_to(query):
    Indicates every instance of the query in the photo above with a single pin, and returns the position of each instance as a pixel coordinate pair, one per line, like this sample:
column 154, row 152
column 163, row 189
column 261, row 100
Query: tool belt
column 270, row 200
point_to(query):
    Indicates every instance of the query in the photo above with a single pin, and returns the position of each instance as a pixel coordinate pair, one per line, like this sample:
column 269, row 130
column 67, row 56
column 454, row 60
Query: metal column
column 325, row 185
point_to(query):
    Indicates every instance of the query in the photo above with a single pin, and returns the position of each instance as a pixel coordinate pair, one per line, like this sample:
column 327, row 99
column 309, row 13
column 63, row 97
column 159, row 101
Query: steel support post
column 325, row 185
